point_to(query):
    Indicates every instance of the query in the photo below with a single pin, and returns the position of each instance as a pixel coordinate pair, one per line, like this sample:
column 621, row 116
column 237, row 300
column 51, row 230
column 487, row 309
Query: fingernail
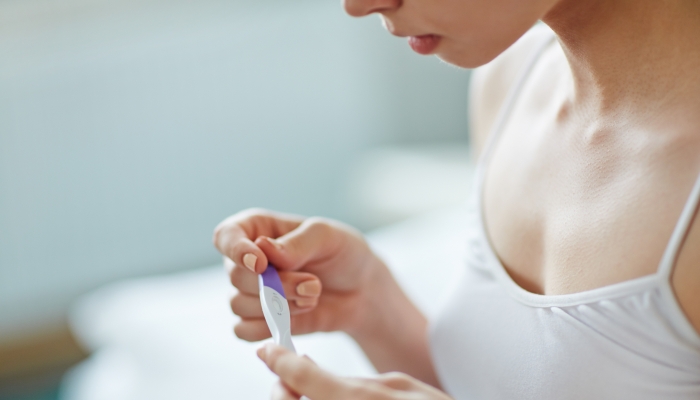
column 306, row 303
column 274, row 243
column 309, row 288
column 261, row 353
column 249, row 261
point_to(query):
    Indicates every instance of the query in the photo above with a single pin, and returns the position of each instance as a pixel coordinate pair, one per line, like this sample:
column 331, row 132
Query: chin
column 470, row 56
column 465, row 59
column 457, row 61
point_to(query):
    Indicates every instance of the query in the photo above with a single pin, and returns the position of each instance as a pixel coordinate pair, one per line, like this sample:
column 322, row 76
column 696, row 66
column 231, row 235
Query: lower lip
column 425, row 44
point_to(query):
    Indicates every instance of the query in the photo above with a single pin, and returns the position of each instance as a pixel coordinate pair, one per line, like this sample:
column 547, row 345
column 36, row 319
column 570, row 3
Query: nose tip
column 352, row 9
column 361, row 8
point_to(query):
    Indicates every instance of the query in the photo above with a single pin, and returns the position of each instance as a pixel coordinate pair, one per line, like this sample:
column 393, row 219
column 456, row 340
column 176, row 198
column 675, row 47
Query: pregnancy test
column 275, row 307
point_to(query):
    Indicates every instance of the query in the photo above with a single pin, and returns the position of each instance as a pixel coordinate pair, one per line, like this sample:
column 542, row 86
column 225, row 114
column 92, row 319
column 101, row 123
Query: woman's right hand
column 327, row 270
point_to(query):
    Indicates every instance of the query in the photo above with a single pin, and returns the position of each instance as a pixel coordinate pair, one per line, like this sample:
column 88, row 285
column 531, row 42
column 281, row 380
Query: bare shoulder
column 491, row 83
column 686, row 275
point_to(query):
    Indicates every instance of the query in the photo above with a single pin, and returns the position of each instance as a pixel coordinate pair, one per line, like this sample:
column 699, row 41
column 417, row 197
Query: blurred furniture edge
column 35, row 363
column 170, row 337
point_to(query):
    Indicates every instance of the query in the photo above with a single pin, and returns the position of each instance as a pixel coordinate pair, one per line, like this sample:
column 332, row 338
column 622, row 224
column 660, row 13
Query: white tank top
column 493, row 340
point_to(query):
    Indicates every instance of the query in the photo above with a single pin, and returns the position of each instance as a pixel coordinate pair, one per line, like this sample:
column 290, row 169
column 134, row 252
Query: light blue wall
column 128, row 129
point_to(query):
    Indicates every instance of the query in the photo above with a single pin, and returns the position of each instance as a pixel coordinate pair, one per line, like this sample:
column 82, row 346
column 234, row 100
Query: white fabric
column 493, row 340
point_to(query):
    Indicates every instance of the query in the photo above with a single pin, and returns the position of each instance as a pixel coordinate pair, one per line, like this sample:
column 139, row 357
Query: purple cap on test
column 272, row 280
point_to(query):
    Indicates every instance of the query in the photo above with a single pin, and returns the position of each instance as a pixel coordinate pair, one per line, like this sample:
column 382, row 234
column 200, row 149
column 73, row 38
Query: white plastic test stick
column 275, row 307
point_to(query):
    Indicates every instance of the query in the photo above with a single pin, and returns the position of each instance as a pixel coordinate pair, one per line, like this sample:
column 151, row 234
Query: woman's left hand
column 299, row 376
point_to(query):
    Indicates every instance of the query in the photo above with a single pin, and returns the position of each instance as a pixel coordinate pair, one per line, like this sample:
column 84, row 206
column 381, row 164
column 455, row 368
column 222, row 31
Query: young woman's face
column 467, row 33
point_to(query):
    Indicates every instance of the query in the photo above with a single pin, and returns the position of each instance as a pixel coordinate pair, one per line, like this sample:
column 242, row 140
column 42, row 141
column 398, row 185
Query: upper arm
column 491, row 83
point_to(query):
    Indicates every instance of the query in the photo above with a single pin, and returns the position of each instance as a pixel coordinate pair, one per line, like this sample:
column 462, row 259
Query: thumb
column 300, row 374
column 314, row 238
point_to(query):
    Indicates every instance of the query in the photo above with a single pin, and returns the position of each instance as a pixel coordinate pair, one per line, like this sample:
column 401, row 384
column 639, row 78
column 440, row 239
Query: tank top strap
column 680, row 231
column 668, row 261
column 509, row 103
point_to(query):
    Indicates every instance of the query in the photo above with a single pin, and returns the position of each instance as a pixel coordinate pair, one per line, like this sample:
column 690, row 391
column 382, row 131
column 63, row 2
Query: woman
column 583, row 279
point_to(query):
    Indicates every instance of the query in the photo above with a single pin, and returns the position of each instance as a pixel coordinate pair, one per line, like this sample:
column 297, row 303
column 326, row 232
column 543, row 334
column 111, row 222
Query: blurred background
column 129, row 129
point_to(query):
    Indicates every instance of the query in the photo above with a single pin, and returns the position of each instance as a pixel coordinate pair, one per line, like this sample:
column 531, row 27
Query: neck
column 630, row 55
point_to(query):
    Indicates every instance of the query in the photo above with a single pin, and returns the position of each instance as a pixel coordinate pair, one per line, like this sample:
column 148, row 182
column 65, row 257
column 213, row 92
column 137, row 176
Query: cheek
column 477, row 48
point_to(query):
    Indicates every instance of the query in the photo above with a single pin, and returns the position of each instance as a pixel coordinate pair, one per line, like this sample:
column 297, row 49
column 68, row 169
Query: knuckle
column 221, row 236
column 217, row 233
column 359, row 391
column 396, row 380
column 235, row 277
column 237, row 304
column 240, row 332
column 238, row 249
column 318, row 222
column 320, row 226
column 229, row 265
column 238, row 277
column 299, row 377
column 244, row 331
column 395, row 377
column 236, row 219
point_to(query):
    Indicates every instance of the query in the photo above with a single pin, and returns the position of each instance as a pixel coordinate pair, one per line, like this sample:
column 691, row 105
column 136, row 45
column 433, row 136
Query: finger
column 303, row 321
column 233, row 244
column 280, row 392
column 244, row 280
column 405, row 383
column 248, row 306
column 252, row 330
column 397, row 381
column 296, row 285
column 303, row 305
column 309, row 358
column 228, row 265
column 315, row 238
column 300, row 374
column 234, row 236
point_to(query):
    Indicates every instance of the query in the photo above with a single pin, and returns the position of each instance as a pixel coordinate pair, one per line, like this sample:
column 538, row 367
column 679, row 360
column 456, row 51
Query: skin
column 610, row 156
column 299, row 375
column 358, row 295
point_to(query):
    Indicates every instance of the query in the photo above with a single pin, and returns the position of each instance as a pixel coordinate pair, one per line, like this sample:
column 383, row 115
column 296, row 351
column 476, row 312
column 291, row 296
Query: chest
column 568, row 210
